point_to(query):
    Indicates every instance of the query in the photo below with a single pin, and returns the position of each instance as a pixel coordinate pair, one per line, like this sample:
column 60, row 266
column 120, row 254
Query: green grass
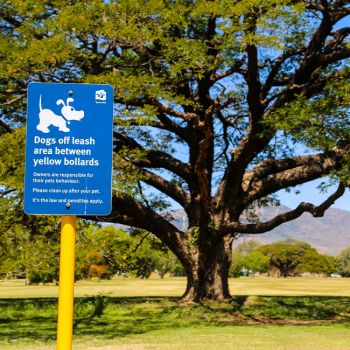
column 130, row 287
column 215, row 338
column 108, row 322
column 160, row 323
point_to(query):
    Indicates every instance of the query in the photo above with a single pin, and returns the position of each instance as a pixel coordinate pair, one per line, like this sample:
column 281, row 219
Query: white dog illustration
column 48, row 117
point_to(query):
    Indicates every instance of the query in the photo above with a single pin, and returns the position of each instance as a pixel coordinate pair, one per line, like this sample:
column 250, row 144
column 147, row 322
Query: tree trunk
column 207, row 273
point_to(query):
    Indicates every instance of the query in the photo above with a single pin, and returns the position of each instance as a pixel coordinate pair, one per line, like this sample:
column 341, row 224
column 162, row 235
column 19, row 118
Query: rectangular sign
column 68, row 168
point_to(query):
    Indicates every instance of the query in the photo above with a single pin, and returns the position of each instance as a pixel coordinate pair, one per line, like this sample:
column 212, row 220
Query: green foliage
column 344, row 262
column 294, row 257
column 30, row 249
column 246, row 259
column 110, row 246
column 228, row 83
column 151, row 255
column 34, row 258
column 12, row 159
column 326, row 115
column 29, row 246
column 256, row 262
column 106, row 251
column 248, row 246
column 316, row 263
column 101, row 252
column 236, row 264
column 150, row 49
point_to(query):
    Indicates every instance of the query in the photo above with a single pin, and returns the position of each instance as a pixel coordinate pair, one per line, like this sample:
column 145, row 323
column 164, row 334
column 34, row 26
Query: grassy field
column 278, row 314
column 129, row 287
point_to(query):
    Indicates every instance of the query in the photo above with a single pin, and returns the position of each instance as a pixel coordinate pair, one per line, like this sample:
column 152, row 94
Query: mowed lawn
column 132, row 314
column 131, row 287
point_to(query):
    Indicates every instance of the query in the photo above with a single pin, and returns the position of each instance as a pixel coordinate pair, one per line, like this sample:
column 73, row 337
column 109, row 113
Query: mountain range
column 328, row 234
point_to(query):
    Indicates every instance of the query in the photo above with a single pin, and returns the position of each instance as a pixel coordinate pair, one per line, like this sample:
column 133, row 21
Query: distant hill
column 329, row 234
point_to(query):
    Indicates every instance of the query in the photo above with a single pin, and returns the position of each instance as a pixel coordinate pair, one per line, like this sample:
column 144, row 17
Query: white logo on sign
column 100, row 95
column 48, row 117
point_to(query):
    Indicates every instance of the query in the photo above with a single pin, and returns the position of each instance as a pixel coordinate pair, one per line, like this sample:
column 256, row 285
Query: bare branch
column 236, row 68
column 10, row 102
column 168, row 110
column 270, row 80
column 6, row 192
column 316, row 211
column 141, row 241
column 5, row 126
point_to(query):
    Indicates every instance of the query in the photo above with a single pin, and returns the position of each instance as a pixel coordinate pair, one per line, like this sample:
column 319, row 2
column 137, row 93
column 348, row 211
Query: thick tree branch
column 251, row 143
column 317, row 56
column 335, row 56
column 169, row 188
column 154, row 158
column 313, row 51
column 128, row 211
column 316, row 211
column 171, row 126
column 308, row 89
column 318, row 166
column 272, row 166
column 275, row 69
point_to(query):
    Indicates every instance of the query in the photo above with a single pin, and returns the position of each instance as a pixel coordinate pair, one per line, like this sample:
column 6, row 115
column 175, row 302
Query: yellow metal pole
column 66, row 283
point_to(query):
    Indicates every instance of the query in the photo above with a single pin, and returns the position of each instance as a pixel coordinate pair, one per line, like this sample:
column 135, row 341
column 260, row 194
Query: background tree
column 29, row 246
column 256, row 262
column 103, row 252
column 236, row 264
column 344, row 262
column 315, row 263
column 245, row 258
column 149, row 255
column 211, row 97
column 294, row 257
column 247, row 247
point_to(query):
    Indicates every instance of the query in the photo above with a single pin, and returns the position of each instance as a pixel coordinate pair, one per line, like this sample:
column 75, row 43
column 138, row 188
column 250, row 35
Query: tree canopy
column 344, row 262
column 214, row 101
column 294, row 257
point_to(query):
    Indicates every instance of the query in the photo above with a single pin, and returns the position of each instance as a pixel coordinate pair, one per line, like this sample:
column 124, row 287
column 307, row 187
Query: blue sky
column 310, row 193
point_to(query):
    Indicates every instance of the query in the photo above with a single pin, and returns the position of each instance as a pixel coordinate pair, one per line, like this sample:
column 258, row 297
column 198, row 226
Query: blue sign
column 68, row 168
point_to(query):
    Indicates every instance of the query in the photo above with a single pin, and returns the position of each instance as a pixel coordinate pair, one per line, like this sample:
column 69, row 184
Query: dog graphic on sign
column 48, row 118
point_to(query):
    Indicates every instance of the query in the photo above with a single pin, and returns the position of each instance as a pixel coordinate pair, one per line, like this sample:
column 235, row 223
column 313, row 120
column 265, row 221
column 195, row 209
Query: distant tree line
column 29, row 249
column 287, row 258
column 101, row 253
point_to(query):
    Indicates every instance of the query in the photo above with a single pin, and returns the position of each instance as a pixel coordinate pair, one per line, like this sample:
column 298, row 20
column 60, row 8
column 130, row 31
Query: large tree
column 292, row 257
column 213, row 102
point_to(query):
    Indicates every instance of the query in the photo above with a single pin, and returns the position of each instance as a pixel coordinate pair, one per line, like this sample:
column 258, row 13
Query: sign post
column 66, row 284
column 68, row 169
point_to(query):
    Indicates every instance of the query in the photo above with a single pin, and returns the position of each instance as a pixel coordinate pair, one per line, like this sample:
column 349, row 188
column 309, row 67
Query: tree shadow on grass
column 110, row 317
column 299, row 308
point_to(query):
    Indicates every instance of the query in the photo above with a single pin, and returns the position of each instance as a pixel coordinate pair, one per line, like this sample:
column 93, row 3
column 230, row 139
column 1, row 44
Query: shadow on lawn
column 108, row 317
